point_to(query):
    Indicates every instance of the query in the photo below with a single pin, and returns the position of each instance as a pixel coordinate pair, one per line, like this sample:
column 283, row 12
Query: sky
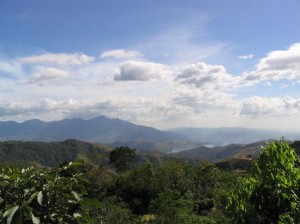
column 160, row 63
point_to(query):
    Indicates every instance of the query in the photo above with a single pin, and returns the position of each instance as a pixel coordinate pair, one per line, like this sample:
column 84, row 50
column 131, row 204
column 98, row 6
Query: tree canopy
column 121, row 157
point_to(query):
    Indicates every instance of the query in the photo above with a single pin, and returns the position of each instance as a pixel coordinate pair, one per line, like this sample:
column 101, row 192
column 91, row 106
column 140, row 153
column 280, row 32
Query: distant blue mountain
column 116, row 132
column 99, row 129
column 229, row 135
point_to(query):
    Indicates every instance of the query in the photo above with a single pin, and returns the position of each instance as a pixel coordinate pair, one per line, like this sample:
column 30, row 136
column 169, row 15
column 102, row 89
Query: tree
column 272, row 193
column 121, row 157
column 44, row 196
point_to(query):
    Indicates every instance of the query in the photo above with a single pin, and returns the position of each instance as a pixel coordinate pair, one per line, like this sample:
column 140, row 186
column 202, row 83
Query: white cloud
column 202, row 101
column 189, row 95
column 12, row 108
column 210, row 77
column 120, row 54
column 61, row 59
column 43, row 109
column 141, row 71
column 261, row 106
column 277, row 65
column 42, row 74
column 246, row 56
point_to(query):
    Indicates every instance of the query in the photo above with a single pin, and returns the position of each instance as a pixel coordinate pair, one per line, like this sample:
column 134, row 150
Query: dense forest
column 125, row 186
column 51, row 154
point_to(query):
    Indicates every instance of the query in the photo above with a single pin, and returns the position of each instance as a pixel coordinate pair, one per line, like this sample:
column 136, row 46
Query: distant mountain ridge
column 231, row 135
column 99, row 129
column 116, row 132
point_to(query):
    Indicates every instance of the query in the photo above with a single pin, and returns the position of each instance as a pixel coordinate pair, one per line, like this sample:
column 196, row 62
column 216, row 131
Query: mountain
column 99, row 129
column 219, row 153
column 50, row 154
column 116, row 132
column 225, row 136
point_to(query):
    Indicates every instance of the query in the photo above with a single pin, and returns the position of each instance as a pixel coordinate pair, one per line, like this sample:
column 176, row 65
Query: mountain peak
column 98, row 129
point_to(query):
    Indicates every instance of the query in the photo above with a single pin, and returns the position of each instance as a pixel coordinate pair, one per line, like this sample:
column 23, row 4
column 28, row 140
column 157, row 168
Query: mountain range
column 231, row 135
column 99, row 129
column 116, row 132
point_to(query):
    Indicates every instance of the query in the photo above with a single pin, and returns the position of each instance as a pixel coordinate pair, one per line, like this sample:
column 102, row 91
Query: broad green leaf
column 7, row 212
column 77, row 215
column 33, row 196
column 35, row 219
column 15, row 216
column 40, row 198
column 76, row 195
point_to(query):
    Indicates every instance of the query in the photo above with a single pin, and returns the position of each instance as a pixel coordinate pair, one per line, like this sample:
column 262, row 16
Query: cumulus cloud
column 42, row 74
column 277, row 65
column 61, row 59
column 207, row 76
column 141, row 71
column 246, row 56
column 260, row 106
column 120, row 54
column 12, row 108
column 40, row 109
column 197, row 89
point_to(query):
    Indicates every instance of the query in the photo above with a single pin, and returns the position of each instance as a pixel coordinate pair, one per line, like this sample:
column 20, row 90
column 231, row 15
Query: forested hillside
column 53, row 153
column 171, row 192
column 219, row 153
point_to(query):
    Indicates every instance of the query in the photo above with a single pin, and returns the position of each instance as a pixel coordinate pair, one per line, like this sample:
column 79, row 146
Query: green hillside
column 54, row 153
column 220, row 153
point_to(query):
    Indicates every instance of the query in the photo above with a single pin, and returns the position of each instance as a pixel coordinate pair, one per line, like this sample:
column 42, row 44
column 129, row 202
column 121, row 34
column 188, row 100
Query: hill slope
column 53, row 153
column 219, row 153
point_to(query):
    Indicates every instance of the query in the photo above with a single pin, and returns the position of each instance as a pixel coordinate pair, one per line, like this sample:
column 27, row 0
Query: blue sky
column 185, row 63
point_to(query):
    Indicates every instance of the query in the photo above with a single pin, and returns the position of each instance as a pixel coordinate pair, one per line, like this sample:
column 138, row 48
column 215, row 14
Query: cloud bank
column 122, row 83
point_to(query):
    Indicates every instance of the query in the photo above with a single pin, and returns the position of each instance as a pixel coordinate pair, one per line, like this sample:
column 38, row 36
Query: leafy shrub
column 43, row 196
column 272, row 193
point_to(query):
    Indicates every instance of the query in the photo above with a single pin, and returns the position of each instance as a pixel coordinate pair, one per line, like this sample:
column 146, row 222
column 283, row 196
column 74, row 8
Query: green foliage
column 121, row 157
column 272, row 193
column 172, row 192
column 112, row 211
column 43, row 196
column 206, row 179
column 172, row 207
column 175, row 192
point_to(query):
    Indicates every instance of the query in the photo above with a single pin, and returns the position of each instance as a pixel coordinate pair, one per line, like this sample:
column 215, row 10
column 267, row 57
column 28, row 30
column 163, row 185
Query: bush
column 43, row 196
column 272, row 193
